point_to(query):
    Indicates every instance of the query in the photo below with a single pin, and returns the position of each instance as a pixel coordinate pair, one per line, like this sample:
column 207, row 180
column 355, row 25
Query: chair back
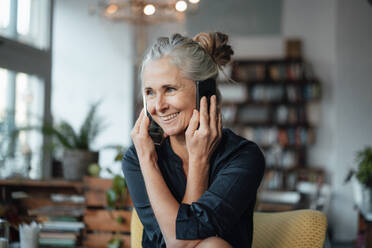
column 299, row 228
column 136, row 230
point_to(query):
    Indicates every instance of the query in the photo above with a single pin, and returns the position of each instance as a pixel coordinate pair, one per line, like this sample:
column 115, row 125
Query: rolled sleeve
column 231, row 194
column 189, row 219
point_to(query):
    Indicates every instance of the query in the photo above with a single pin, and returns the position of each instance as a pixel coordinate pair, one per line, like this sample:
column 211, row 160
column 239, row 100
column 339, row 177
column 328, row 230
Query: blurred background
column 69, row 81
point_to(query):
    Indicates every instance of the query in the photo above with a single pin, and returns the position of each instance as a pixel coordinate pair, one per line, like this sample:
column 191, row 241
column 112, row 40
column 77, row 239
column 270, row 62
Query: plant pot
column 367, row 199
column 76, row 162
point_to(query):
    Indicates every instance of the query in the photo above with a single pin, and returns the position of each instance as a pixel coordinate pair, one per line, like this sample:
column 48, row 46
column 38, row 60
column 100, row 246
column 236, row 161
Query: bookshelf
column 58, row 204
column 270, row 103
column 74, row 214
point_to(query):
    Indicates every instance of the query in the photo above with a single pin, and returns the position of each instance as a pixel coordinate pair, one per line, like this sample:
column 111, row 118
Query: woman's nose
column 161, row 104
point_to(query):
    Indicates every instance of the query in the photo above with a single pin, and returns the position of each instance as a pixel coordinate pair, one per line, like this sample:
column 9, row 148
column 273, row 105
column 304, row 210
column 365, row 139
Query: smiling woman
column 197, row 188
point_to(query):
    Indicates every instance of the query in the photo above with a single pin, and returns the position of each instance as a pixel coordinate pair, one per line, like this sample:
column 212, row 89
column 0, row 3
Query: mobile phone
column 205, row 88
column 155, row 131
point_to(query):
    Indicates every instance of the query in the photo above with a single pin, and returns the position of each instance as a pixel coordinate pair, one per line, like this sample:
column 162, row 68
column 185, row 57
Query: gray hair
column 186, row 54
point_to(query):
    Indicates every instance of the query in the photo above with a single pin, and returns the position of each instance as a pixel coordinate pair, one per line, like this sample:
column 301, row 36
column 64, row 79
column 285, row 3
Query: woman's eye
column 170, row 89
column 149, row 92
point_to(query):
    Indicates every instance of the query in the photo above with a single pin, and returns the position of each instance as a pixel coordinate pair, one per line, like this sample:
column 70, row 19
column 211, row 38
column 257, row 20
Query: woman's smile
column 169, row 118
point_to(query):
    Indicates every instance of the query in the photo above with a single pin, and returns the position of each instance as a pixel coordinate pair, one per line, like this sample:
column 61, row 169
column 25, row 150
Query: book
column 62, row 225
column 55, row 210
column 58, row 235
column 57, row 242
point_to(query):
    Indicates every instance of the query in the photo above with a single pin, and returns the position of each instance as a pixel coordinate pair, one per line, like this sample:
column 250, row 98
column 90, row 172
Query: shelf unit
column 269, row 104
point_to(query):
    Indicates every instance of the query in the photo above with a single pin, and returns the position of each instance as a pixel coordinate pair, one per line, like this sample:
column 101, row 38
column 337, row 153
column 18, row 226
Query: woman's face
column 170, row 96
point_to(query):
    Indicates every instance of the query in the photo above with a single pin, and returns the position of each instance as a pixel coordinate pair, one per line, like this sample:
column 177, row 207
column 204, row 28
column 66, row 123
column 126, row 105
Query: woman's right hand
column 142, row 141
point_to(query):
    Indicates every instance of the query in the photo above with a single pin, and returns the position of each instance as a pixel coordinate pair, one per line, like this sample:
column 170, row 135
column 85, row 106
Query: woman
column 198, row 188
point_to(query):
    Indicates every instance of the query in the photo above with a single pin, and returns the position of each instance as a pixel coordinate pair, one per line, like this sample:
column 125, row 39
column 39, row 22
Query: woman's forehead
column 161, row 72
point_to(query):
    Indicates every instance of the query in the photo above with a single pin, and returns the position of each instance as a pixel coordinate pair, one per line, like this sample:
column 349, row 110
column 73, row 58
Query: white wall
column 92, row 60
column 353, row 101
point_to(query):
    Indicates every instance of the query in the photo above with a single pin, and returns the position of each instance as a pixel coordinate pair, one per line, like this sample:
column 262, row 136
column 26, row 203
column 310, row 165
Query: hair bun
column 216, row 45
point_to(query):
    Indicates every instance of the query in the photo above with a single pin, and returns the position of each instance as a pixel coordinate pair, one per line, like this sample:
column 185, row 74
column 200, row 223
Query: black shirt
column 224, row 210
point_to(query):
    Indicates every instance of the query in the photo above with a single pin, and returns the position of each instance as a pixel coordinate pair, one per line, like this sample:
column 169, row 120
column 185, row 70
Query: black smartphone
column 206, row 88
column 155, row 131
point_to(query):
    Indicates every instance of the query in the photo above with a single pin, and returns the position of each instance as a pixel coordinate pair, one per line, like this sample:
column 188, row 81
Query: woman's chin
column 174, row 132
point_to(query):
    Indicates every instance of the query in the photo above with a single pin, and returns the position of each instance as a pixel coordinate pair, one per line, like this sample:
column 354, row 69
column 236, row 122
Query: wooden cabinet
column 24, row 200
column 101, row 224
column 34, row 199
column 364, row 231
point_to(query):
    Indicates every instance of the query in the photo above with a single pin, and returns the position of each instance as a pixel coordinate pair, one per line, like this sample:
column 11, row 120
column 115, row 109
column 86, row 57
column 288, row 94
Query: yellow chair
column 292, row 229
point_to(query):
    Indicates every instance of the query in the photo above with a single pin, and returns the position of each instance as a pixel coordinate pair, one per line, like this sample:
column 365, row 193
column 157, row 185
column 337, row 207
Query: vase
column 76, row 162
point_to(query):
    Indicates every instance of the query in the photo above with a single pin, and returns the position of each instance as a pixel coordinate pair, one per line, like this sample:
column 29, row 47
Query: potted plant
column 77, row 150
column 364, row 176
column 117, row 197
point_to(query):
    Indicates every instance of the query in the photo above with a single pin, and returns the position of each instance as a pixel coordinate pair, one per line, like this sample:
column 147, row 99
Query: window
column 25, row 78
column 4, row 14
column 21, row 105
column 26, row 21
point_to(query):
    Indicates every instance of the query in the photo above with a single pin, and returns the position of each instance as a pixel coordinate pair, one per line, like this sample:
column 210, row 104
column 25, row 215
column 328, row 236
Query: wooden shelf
column 277, row 60
column 282, row 82
column 285, row 147
column 271, row 103
column 270, row 124
column 55, row 183
column 275, row 89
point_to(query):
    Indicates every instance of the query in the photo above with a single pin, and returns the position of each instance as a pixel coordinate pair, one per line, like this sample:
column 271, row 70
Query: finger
column 219, row 125
column 204, row 116
column 213, row 117
column 137, row 125
column 194, row 123
column 144, row 125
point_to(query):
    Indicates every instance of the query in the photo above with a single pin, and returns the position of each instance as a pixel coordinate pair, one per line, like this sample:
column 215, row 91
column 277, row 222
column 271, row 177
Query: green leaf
column 91, row 127
column 49, row 129
column 68, row 132
column 109, row 171
column 115, row 243
column 364, row 160
column 120, row 220
column 119, row 149
column 119, row 184
column 111, row 198
column 119, row 157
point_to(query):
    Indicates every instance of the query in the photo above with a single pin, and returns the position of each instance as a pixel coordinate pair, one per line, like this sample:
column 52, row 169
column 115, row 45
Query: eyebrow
column 165, row 86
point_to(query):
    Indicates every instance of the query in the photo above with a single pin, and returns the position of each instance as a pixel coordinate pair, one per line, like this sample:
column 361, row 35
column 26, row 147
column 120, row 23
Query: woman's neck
column 178, row 144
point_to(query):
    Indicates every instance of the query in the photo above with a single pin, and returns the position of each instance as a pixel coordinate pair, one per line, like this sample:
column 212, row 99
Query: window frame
column 20, row 57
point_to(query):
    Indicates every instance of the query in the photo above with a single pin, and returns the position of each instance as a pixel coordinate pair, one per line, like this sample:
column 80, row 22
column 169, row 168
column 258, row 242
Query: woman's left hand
column 202, row 141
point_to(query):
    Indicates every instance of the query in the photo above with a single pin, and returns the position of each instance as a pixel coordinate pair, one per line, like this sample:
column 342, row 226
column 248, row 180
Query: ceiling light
column 139, row 11
column 181, row 6
column 111, row 9
column 149, row 9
